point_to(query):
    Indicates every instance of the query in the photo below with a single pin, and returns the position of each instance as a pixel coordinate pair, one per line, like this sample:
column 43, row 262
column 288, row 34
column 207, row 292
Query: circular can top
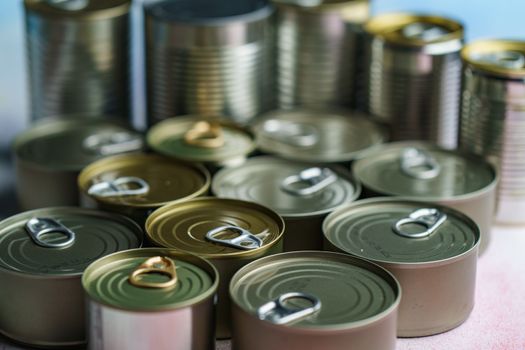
column 200, row 140
column 413, row 30
column 215, row 227
column 63, row 241
column 304, row 289
column 317, row 136
column 151, row 279
column 70, row 145
column 292, row 189
column 423, row 171
column 81, row 9
column 143, row 180
column 396, row 231
column 504, row 58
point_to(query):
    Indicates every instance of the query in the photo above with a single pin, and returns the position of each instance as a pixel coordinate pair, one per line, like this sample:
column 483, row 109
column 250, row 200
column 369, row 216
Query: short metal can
column 314, row 300
column 229, row 233
column 151, row 298
column 302, row 193
column 50, row 155
column 136, row 184
column 424, row 172
column 44, row 253
column 432, row 250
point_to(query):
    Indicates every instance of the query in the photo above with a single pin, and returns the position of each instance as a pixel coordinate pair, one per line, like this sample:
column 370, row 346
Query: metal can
column 44, row 253
column 431, row 250
column 213, row 142
column 314, row 300
column 229, row 233
column 425, row 172
column 50, row 155
column 151, row 299
column 302, row 193
column 317, row 136
column 317, row 51
column 208, row 58
column 413, row 75
column 493, row 116
column 78, row 56
column 136, row 184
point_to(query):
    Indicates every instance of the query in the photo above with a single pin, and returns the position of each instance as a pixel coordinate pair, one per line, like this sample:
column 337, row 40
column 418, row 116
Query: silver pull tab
column 419, row 164
column 245, row 239
column 431, row 219
column 295, row 134
column 424, row 31
column 316, row 180
column 108, row 143
column 278, row 313
column 503, row 59
column 37, row 227
column 120, row 187
column 69, row 5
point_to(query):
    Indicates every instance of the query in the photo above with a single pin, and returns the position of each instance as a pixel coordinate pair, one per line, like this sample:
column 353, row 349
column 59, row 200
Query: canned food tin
column 318, row 136
column 314, row 300
column 78, row 56
column 432, row 251
column 229, row 233
column 302, row 193
column 424, row 172
column 213, row 142
column 135, row 184
column 50, row 155
column 413, row 75
column 208, row 58
column 44, row 253
column 318, row 45
column 151, row 299
column 493, row 116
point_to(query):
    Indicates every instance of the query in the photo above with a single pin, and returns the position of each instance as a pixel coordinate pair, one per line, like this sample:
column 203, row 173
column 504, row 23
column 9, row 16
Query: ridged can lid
column 502, row 58
column 81, row 9
column 63, row 241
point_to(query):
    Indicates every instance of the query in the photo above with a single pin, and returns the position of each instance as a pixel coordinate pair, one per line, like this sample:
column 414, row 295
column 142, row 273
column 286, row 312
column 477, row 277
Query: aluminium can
column 78, row 54
column 151, row 298
column 425, row 172
column 493, row 116
column 50, row 155
column 432, row 251
column 229, row 233
column 302, row 193
column 135, row 184
column 413, row 76
column 208, row 58
column 44, row 253
column 314, row 300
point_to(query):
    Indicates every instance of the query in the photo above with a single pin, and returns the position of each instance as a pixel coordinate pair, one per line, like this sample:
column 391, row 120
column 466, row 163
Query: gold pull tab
column 205, row 135
column 157, row 264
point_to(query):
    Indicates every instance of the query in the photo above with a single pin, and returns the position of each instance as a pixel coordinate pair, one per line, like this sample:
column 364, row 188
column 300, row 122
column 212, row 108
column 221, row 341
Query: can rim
column 40, row 9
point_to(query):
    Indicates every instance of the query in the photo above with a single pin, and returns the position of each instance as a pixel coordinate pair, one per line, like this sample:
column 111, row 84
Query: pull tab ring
column 109, row 143
column 292, row 133
column 37, row 227
column 419, row 164
column 245, row 239
column 504, row 59
column 118, row 187
column 424, row 31
column 278, row 313
column 68, row 5
column 205, row 135
column 431, row 219
column 157, row 264
column 316, row 178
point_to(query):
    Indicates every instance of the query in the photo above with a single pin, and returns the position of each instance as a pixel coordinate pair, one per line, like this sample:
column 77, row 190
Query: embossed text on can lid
column 314, row 282
column 63, row 241
column 81, row 9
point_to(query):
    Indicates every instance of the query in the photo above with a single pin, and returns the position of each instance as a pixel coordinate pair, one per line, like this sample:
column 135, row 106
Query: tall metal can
column 413, row 76
column 493, row 116
column 318, row 46
column 208, row 58
column 78, row 56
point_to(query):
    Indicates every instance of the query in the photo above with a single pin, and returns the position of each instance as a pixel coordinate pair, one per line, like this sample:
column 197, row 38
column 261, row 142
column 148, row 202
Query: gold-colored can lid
column 81, row 9
column 505, row 58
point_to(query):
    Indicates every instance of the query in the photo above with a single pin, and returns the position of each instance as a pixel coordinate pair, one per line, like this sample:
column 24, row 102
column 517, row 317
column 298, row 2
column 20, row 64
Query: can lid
column 63, row 241
column 398, row 231
column 317, row 136
column 84, row 9
column 215, row 227
column 304, row 289
column 151, row 279
column 292, row 189
column 505, row 58
column 424, row 171
column 70, row 145
column 143, row 180
column 198, row 140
